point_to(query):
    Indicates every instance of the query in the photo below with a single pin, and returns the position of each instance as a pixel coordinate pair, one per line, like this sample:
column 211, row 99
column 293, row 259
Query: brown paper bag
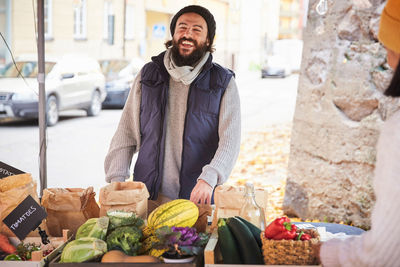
column 127, row 196
column 229, row 199
column 202, row 222
column 13, row 190
column 68, row 208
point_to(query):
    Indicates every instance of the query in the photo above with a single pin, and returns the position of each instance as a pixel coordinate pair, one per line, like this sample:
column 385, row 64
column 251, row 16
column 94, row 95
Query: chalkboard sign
column 7, row 170
column 25, row 218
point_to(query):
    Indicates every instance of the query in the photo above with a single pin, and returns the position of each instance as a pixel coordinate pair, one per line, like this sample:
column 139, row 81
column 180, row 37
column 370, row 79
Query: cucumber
column 253, row 229
column 248, row 247
column 228, row 244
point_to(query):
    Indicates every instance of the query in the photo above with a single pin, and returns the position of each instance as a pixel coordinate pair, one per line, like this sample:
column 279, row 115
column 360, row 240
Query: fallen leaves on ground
column 263, row 159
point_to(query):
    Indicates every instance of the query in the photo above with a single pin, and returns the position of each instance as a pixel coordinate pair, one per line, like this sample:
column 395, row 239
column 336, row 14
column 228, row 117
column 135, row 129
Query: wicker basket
column 291, row 252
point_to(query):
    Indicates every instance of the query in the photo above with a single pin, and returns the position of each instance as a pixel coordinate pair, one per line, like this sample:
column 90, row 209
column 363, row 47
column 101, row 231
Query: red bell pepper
column 6, row 246
column 281, row 228
column 303, row 236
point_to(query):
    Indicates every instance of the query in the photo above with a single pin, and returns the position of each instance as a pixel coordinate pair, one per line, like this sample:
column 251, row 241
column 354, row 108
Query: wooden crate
column 37, row 256
column 55, row 263
column 213, row 258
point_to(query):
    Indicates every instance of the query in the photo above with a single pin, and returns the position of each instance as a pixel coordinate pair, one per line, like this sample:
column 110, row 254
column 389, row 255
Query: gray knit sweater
column 126, row 141
column 379, row 246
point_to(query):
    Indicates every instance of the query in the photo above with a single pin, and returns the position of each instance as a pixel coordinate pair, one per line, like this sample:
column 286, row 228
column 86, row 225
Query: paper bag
column 13, row 190
column 69, row 208
column 229, row 199
column 202, row 222
column 127, row 196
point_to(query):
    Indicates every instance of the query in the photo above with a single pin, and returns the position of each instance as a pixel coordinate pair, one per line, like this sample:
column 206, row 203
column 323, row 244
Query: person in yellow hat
column 379, row 246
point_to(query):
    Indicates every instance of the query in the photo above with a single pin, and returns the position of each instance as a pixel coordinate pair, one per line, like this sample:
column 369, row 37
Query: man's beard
column 190, row 59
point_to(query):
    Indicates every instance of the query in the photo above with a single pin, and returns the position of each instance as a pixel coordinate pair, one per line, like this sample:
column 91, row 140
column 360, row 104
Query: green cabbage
column 120, row 218
column 94, row 227
column 83, row 249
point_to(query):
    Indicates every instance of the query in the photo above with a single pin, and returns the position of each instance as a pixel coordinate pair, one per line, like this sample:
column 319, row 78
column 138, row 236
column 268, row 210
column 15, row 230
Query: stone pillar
column 340, row 108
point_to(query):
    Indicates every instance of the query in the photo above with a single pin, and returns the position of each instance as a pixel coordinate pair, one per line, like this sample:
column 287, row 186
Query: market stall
column 120, row 229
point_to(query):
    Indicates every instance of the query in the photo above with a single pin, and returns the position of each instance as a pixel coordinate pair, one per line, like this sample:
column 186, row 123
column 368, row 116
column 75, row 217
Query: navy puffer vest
column 200, row 137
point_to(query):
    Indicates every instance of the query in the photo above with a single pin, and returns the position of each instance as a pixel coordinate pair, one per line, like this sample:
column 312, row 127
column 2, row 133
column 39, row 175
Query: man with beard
column 182, row 116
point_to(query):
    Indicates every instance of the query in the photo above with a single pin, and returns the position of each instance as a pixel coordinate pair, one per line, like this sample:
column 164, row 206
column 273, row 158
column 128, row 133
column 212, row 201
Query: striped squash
column 148, row 244
column 178, row 213
column 157, row 252
column 147, row 231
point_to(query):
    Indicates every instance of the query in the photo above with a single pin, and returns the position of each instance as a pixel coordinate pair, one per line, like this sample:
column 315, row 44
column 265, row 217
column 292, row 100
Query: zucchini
column 248, row 247
column 227, row 244
column 253, row 229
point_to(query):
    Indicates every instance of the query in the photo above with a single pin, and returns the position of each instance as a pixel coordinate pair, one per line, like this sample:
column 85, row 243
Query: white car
column 73, row 82
column 284, row 58
column 120, row 74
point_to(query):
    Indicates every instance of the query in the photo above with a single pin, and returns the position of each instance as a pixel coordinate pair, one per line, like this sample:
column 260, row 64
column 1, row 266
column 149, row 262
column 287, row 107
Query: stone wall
column 340, row 108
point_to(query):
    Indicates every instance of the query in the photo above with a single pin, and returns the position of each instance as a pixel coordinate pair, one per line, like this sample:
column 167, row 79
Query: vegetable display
column 178, row 213
column 253, row 229
column 228, row 244
column 303, row 236
column 119, row 256
column 24, row 250
column 6, row 246
column 281, row 228
column 125, row 238
column 148, row 244
column 285, row 244
column 13, row 257
column 83, row 249
column 120, row 218
column 180, row 241
column 249, row 250
column 122, row 236
column 94, row 227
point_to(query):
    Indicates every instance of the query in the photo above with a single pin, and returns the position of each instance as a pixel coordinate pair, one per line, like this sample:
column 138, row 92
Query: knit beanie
column 389, row 28
column 204, row 12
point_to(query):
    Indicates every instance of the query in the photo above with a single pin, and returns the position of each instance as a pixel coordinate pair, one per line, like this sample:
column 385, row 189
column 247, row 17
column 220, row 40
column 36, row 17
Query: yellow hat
column 389, row 28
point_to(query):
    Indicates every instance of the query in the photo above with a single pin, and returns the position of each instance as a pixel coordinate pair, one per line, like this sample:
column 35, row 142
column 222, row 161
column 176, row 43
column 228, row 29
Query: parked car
column 73, row 82
column 275, row 67
column 120, row 74
column 284, row 58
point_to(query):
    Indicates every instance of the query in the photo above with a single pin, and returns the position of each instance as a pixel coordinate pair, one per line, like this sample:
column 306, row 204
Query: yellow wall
column 289, row 24
column 63, row 41
column 155, row 43
column 23, row 28
column 144, row 44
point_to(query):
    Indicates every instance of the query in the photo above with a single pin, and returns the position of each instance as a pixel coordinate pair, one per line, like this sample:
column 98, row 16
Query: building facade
column 290, row 19
column 108, row 28
column 139, row 28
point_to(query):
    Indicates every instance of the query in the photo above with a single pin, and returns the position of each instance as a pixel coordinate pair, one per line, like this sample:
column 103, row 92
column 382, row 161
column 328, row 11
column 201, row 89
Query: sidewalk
column 263, row 159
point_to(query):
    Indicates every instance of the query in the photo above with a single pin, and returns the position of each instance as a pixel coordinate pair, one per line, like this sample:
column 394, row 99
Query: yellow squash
column 178, row 213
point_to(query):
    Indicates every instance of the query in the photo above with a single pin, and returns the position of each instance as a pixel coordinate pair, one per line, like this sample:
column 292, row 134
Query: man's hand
column 201, row 193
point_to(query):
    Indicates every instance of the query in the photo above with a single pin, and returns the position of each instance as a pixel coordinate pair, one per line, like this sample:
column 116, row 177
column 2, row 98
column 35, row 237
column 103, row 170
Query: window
column 80, row 19
column 48, row 19
column 107, row 11
column 129, row 22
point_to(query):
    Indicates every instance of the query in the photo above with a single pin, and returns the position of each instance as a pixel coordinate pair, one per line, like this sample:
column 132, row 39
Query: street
column 266, row 102
column 77, row 145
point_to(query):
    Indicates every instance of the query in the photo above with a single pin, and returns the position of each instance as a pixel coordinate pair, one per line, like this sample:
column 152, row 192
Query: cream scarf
column 185, row 74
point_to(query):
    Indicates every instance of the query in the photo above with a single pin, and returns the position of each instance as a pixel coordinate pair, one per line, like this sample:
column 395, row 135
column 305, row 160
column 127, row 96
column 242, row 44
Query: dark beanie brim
column 204, row 12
